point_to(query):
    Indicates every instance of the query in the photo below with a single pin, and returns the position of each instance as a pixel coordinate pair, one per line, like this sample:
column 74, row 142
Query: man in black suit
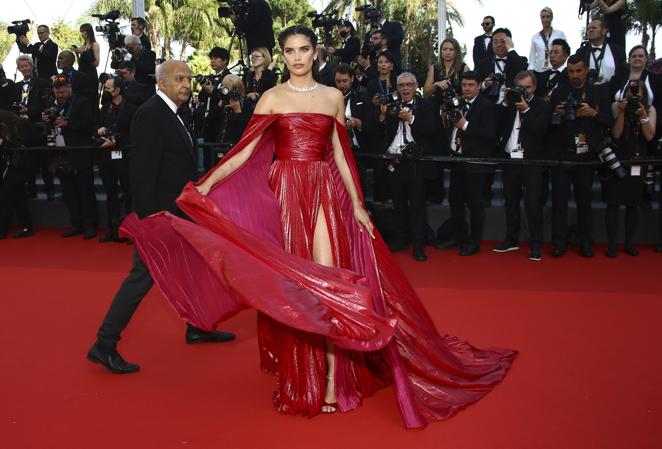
column 258, row 25
column 577, row 137
column 525, row 121
column 557, row 75
column 351, row 45
column 606, row 58
column 135, row 92
column 79, row 81
column 144, row 60
column 505, row 62
column 483, row 43
column 8, row 93
column 396, row 34
column 409, row 132
column 43, row 53
column 74, row 126
column 326, row 69
column 138, row 25
column 162, row 162
column 357, row 108
column 378, row 44
column 474, row 136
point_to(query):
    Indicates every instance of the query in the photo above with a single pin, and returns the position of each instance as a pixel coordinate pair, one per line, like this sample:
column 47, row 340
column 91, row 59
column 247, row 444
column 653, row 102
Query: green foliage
column 6, row 41
column 64, row 35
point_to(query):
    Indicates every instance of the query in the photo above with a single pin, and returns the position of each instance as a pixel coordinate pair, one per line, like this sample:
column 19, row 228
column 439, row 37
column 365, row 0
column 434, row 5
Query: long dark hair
column 13, row 129
column 310, row 34
column 89, row 31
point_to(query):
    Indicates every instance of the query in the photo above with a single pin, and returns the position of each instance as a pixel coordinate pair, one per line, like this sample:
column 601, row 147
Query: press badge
column 635, row 170
column 580, row 143
column 115, row 154
column 517, row 153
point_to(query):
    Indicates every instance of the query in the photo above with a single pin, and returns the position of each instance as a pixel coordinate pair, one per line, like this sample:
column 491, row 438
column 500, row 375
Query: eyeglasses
column 406, row 84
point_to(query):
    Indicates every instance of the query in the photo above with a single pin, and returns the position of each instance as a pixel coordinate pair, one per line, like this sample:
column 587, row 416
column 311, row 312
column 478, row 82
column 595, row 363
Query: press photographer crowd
column 551, row 124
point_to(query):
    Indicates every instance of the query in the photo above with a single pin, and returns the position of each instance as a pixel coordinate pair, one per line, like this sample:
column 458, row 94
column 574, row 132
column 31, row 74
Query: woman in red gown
column 290, row 237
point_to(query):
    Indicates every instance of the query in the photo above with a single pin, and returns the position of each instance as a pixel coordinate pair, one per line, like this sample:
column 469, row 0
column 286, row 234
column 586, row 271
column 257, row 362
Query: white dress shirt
column 606, row 66
column 454, row 148
column 173, row 107
column 538, row 57
column 404, row 128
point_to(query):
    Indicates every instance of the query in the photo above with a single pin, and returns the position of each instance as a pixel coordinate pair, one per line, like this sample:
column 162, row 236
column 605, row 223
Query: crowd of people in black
column 593, row 104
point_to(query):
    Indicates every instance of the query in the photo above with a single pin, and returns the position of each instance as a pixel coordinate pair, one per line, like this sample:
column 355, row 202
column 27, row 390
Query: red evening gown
column 251, row 246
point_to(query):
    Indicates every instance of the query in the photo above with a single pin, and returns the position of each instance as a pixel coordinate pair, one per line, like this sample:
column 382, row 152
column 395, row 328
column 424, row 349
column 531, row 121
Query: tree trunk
column 652, row 52
column 183, row 51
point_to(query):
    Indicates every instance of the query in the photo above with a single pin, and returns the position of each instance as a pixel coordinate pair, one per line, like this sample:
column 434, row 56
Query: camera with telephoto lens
column 228, row 95
column 239, row 8
column 635, row 101
column 98, row 139
column 19, row 27
column 515, row 94
column 48, row 127
column 110, row 29
column 608, row 157
column 371, row 14
column 203, row 79
column 497, row 81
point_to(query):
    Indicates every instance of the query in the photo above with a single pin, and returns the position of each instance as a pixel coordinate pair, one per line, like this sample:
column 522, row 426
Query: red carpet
column 587, row 377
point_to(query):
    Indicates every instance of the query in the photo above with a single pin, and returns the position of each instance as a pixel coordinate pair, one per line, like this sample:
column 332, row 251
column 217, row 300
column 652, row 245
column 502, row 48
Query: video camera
column 327, row 21
column 19, row 27
column 239, row 8
column 110, row 29
column 371, row 14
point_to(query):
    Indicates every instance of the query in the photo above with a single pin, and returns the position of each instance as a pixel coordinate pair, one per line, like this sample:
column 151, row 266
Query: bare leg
column 323, row 255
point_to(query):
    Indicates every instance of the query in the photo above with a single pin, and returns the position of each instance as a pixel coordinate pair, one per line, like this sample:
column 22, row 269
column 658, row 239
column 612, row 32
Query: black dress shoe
column 586, row 250
column 419, row 255
column 535, row 254
column 631, row 250
column 470, row 249
column 612, row 250
column 558, row 251
column 506, row 246
column 25, row 232
column 195, row 335
column 90, row 233
column 111, row 360
column 446, row 245
column 72, row 232
column 397, row 247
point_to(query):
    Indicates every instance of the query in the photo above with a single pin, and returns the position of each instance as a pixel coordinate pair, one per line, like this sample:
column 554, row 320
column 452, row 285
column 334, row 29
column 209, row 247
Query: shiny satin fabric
column 251, row 246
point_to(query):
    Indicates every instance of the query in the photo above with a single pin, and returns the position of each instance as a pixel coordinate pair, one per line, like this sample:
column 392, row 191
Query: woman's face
column 299, row 54
column 638, row 59
column 83, row 34
column 257, row 59
column 448, row 52
column 384, row 66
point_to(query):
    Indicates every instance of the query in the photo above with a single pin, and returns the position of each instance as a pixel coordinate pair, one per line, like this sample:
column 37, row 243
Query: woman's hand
column 204, row 188
column 444, row 84
column 641, row 113
column 363, row 220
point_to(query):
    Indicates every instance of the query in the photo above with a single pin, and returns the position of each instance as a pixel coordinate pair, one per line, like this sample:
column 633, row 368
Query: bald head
column 174, row 80
column 65, row 60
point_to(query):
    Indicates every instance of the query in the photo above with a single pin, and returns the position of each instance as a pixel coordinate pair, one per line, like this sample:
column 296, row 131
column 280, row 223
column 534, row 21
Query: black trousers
column 43, row 164
column 466, row 191
column 78, row 192
column 114, row 175
column 581, row 180
column 13, row 199
column 524, row 181
column 407, row 184
column 126, row 301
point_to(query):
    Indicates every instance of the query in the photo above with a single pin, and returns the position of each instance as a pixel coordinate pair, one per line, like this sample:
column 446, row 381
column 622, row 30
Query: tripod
column 240, row 37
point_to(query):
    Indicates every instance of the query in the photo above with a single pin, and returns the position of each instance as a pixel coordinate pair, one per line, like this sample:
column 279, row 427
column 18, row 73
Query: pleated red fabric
column 251, row 246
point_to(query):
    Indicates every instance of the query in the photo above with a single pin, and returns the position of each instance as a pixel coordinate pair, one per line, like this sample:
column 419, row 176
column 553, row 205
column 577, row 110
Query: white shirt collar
column 171, row 104
column 562, row 68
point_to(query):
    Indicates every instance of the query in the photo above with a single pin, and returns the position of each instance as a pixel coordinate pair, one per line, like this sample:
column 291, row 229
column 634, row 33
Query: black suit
column 8, row 95
column 145, row 64
column 514, row 64
column 479, row 50
column 396, row 34
column 138, row 93
column 44, row 57
column 81, row 85
column 162, row 161
column 620, row 64
column 525, row 180
column 327, row 76
column 408, row 178
column 468, row 180
column 547, row 83
column 350, row 49
column 144, row 41
column 562, row 141
column 258, row 26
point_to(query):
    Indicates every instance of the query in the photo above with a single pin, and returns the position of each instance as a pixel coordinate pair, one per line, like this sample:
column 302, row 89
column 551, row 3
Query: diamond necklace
column 301, row 89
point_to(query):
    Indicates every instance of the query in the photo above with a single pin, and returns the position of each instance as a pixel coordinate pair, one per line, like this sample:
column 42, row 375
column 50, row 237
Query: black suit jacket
column 514, row 64
column 327, row 76
column 80, row 85
column 8, row 95
column 533, row 128
column 546, row 87
column 561, row 137
column 37, row 97
column 81, row 122
column 144, row 41
column 480, row 138
column 349, row 50
column 396, row 34
column 121, row 125
column 145, row 64
column 479, row 50
column 138, row 93
column 44, row 57
column 423, row 130
column 162, row 159
column 621, row 71
column 361, row 108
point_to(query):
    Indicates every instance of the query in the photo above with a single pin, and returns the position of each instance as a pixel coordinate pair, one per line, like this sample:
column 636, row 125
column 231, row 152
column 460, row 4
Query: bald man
column 162, row 161
column 80, row 82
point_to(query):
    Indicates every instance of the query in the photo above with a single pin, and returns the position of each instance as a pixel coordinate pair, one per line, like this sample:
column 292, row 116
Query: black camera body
column 239, row 8
column 498, row 80
column 98, row 139
column 227, row 95
column 371, row 14
column 110, row 29
column 392, row 101
column 203, row 79
column 449, row 103
column 515, row 94
column 570, row 107
column 19, row 27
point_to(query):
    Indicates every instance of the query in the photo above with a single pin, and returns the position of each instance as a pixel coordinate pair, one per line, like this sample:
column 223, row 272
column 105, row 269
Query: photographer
column 367, row 60
column 605, row 58
column 351, row 45
column 135, row 92
column 43, row 53
column 357, row 109
column 138, row 26
column 557, row 75
column 256, row 24
column 261, row 76
column 73, row 124
column 474, row 135
column 581, row 119
column 499, row 70
column 237, row 112
column 447, row 73
column 79, row 81
column 382, row 86
column 143, row 59
column 114, row 137
column 633, row 128
column 525, row 121
column 8, row 93
column 326, row 69
column 409, row 126
column 394, row 31
column 15, row 168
